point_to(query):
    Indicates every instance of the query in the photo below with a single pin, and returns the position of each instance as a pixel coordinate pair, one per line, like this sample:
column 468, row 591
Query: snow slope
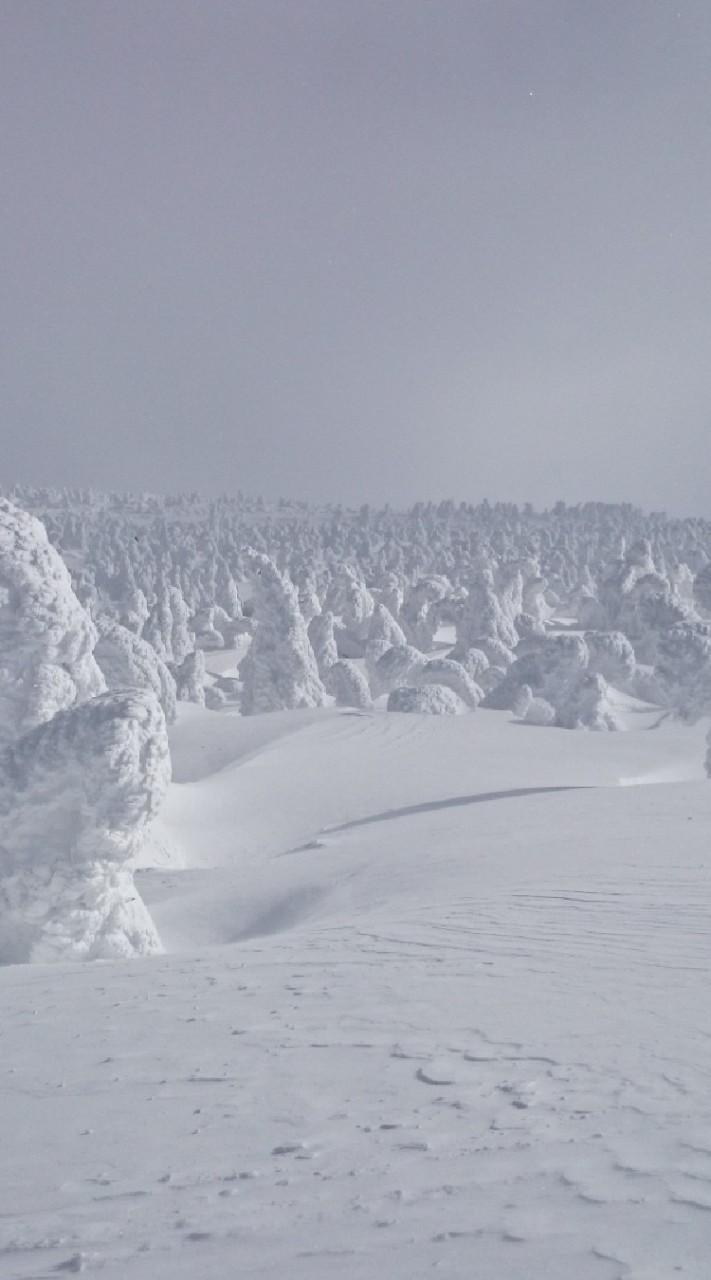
column 436, row 1002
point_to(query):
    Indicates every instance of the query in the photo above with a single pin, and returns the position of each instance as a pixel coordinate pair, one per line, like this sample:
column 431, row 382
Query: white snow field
column 436, row 1000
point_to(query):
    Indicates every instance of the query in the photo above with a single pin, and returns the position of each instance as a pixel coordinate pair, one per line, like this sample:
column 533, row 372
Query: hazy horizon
column 385, row 252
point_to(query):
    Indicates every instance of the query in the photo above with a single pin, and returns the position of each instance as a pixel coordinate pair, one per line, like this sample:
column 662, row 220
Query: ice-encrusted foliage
column 558, row 672
column 321, row 631
column 585, row 705
column 76, row 797
column 702, row 589
column 384, row 628
column 207, row 635
column 394, row 667
column 475, row 663
column 426, row 699
column 419, row 614
column 309, row 602
column 347, row 684
column 451, row 674
column 46, row 636
column 682, row 675
column 279, row 671
column 611, row 653
column 515, row 574
column 484, row 624
column 129, row 662
column 190, row 678
column 389, row 592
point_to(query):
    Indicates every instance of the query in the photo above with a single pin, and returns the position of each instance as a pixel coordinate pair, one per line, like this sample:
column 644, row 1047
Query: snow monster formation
column 46, row 636
column 82, row 771
column 76, row 796
column 280, row 671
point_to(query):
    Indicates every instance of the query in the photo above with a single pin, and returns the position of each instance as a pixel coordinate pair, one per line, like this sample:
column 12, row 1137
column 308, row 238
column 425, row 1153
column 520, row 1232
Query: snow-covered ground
column 436, row 1001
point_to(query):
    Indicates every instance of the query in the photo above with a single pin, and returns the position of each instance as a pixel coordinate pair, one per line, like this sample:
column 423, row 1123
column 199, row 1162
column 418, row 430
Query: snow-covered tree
column 384, row 629
column 419, row 615
column 279, row 671
column 451, row 674
column 129, row 662
column 611, row 653
column 190, row 678
column 46, row 636
column 558, row 673
column 483, row 623
column 394, row 667
column 207, row 636
column 76, row 796
column 321, row 631
column 426, row 699
column 347, row 684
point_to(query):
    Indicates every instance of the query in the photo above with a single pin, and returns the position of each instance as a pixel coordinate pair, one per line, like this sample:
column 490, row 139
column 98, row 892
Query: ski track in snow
column 472, row 1043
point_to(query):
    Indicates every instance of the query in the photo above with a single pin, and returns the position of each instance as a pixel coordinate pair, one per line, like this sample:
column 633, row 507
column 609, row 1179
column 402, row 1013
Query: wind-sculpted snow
column 280, row 670
column 76, row 797
column 434, row 1003
column 46, row 636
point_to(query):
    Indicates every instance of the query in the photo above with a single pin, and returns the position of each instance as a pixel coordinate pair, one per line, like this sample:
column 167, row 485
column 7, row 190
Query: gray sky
column 358, row 250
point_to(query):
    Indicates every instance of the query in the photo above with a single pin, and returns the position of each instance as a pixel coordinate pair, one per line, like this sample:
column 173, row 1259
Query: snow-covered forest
column 273, row 756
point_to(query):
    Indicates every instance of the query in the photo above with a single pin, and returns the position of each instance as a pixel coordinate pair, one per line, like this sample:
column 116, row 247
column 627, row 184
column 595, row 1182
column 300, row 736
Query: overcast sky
column 358, row 250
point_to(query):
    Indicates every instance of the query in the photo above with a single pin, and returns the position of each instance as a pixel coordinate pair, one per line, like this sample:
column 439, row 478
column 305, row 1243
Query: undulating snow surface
column 436, row 1001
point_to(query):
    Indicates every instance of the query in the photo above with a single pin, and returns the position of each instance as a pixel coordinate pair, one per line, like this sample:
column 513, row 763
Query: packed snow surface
column 436, row 1001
